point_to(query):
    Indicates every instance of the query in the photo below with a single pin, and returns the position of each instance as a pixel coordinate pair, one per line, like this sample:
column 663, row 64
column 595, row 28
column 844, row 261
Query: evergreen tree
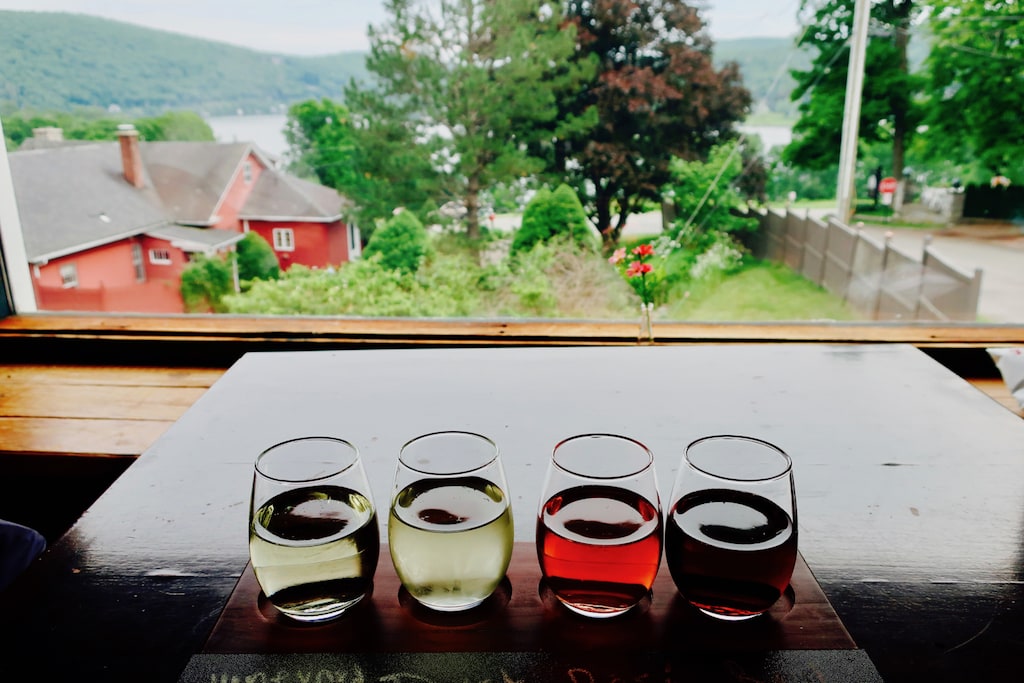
column 553, row 214
column 463, row 85
column 401, row 243
column 256, row 258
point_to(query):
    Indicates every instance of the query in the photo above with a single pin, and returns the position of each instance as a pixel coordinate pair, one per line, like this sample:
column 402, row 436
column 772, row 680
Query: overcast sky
column 314, row 27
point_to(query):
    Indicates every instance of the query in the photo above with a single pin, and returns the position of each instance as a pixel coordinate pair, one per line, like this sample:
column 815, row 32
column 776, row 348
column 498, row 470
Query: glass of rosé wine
column 731, row 531
column 599, row 528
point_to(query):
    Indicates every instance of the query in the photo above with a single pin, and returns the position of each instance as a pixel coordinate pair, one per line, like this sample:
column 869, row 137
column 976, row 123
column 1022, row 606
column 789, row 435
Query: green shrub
column 256, row 258
column 401, row 243
column 551, row 214
column 204, row 283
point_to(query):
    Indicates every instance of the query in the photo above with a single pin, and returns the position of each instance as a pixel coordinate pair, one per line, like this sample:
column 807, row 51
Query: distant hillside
column 54, row 61
column 763, row 61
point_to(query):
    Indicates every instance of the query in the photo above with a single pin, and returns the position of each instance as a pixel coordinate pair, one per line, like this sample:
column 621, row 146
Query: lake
column 267, row 131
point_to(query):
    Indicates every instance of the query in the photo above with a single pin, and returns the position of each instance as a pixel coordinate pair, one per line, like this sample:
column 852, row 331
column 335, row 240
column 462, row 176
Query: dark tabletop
column 910, row 487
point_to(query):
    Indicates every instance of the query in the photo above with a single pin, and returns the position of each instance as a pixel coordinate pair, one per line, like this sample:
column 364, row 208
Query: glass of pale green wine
column 313, row 535
column 450, row 527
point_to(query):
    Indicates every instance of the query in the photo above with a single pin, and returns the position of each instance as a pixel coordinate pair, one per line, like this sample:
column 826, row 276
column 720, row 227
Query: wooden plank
column 96, row 401
column 328, row 331
column 78, row 437
column 996, row 388
column 522, row 616
column 108, row 375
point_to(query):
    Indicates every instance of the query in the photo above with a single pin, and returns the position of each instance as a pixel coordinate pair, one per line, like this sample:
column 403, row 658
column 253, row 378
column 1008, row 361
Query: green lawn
column 760, row 292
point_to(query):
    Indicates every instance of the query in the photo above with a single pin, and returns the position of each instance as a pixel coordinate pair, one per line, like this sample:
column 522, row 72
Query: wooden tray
column 523, row 617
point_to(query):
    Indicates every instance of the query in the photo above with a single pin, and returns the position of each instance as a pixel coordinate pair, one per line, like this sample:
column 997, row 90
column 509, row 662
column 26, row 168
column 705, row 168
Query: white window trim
column 282, row 243
column 158, row 260
column 69, row 276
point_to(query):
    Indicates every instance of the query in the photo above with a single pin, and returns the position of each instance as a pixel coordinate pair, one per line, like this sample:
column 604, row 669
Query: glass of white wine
column 313, row 535
column 450, row 528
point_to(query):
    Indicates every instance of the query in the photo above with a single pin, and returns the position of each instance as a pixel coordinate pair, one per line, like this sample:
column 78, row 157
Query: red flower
column 644, row 250
column 638, row 268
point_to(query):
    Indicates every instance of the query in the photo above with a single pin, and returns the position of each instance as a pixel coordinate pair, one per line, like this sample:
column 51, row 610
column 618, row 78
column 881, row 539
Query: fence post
column 881, row 275
column 924, row 273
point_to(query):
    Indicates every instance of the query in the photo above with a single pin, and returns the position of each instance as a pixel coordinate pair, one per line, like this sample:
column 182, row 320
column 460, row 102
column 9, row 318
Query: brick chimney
column 131, row 158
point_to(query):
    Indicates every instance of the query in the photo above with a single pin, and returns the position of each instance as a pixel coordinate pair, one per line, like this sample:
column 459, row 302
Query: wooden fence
column 876, row 279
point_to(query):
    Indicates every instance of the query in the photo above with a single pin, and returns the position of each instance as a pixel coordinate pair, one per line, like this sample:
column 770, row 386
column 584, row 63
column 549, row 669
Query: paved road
column 997, row 249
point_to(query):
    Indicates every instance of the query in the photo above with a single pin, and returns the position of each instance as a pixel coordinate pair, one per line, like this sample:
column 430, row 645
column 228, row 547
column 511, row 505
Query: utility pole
column 851, row 110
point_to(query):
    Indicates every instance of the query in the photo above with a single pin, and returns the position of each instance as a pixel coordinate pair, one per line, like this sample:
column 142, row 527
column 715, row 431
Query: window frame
column 69, row 275
column 162, row 260
column 278, row 244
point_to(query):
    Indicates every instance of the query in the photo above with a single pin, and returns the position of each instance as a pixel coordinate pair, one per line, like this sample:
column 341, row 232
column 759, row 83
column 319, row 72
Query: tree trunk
column 473, row 208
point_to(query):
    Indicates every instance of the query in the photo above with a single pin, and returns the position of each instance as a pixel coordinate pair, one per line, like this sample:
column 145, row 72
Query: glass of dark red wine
column 599, row 528
column 731, row 531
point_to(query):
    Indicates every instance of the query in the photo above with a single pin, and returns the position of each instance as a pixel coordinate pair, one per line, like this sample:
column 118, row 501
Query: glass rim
column 448, row 432
column 300, row 480
column 599, row 477
column 784, row 472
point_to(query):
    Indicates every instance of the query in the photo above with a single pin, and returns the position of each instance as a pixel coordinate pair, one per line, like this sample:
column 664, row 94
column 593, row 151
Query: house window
column 247, row 172
column 69, row 275
column 160, row 257
column 284, row 239
column 137, row 263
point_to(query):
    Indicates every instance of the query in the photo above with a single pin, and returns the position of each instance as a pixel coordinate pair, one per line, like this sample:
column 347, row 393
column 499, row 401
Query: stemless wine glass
column 313, row 537
column 731, row 534
column 599, row 524
column 450, row 528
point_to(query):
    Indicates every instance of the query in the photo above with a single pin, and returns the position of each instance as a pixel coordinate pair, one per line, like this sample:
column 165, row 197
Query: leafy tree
column 401, row 243
column 704, row 194
column 175, row 125
column 553, row 214
column 464, row 84
column 256, row 258
column 888, row 111
column 656, row 96
column 976, row 84
column 204, row 283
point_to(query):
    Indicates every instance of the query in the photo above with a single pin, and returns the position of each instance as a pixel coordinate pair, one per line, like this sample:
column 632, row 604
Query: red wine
column 599, row 548
column 730, row 553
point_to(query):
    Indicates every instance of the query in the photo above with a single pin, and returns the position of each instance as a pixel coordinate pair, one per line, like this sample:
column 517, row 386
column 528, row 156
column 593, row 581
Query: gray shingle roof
column 196, row 239
column 73, row 197
column 276, row 196
column 192, row 176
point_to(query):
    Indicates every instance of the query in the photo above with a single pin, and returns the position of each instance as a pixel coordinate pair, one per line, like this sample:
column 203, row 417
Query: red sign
column 887, row 186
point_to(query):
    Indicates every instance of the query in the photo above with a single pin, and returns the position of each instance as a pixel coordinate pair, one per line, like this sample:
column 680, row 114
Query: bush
column 550, row 214
column 256, row 259
column 401, row 243
column 204, row 283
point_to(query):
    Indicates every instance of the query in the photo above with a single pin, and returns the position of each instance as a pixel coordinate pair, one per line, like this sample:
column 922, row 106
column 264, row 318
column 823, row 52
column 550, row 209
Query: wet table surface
column 910, row 488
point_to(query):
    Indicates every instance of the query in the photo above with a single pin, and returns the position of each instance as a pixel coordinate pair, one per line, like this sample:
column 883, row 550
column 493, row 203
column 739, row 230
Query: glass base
column 317, row 611
column 595, row 611
column 730, row 617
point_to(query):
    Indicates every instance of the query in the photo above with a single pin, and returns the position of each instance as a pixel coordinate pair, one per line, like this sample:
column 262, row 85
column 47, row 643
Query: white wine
column 451, row 540
column 314, row 550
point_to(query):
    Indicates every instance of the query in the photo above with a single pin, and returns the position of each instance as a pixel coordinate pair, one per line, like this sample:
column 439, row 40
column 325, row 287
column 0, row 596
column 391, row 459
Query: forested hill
column 54, row 61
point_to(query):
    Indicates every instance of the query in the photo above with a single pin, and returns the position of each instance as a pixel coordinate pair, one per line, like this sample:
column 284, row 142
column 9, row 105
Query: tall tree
column 656, row 96
column 888, row 111
column 976, row 83
column 465, row 84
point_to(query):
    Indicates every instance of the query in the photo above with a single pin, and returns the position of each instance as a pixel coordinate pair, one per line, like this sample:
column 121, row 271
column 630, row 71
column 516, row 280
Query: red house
column 109, row 226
